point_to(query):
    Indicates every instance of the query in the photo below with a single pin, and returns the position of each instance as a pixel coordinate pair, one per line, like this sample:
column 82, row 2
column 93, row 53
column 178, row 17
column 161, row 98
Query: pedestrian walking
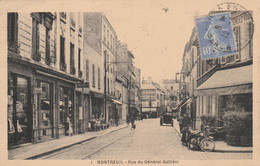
column 133, row 122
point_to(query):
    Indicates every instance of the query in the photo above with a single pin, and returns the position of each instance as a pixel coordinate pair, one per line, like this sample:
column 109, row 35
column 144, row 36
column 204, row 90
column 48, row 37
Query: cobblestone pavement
column 148, row 141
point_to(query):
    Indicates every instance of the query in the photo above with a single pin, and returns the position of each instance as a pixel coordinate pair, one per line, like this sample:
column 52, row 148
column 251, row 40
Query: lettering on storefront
column 80, row 113
column 37, row 90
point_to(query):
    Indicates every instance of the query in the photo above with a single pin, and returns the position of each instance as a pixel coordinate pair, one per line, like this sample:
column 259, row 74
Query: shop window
column 19, row 112
column 66, row 105
column 46, row 106
column 62, row 106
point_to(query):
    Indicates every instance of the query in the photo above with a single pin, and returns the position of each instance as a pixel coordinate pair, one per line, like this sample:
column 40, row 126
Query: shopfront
column 97, row 102
column 66, row 110
column 19, row 109
column 43, row 115
column 227, row 90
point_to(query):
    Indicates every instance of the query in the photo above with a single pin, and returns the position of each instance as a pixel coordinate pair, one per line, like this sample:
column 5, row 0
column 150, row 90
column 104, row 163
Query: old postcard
column 123, row 82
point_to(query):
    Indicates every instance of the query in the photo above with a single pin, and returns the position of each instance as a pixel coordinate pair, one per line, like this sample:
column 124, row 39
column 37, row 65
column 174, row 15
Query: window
column 35, row 40
column 87, row 70
column 104, row 34
column 223, row 59
column 72, row 59
column 98, row 78
column 62, row 53
column 107, row 37
column 79, row 59
column 111, row 43
column 12, row 27
column 250, row 29
column 93, row 76
column 47, row 47
column 108, row 86
column 238, row 40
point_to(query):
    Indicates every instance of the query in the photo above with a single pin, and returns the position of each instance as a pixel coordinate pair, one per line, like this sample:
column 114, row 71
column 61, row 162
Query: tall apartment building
column 44, row 68
column 102, row 38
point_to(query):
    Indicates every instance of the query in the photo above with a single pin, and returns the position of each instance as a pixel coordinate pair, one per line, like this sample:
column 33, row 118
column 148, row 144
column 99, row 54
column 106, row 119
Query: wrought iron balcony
column 72, row 70
column 36, row 55
column 63, row 15
column 80, row 73
column 48, row 59
column 63, row 66
column 14, row 47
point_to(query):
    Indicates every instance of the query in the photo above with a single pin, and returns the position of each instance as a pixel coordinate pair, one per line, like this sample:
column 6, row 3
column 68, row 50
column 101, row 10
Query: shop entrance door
column 44, row 111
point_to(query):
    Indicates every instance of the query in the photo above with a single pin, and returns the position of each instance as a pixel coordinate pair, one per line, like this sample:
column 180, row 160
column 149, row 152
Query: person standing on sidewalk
column 185, row 122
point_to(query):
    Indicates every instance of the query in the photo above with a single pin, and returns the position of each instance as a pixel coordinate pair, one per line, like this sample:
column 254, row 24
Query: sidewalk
column 34, row 150
column 220, row 146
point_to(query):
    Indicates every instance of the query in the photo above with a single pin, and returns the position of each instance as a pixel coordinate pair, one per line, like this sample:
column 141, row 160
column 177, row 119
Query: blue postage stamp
column 216, row 36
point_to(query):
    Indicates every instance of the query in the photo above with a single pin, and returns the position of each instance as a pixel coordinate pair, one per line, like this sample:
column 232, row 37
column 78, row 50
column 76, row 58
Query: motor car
column 167, row 118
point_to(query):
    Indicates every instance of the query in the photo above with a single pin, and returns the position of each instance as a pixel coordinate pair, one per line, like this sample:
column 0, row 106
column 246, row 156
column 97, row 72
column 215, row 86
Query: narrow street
column 149, row 141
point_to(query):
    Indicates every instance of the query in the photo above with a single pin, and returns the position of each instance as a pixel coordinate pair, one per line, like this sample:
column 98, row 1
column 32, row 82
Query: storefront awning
column 134, row 109
column 226, row 82
column 186, row 102
column 116, row 101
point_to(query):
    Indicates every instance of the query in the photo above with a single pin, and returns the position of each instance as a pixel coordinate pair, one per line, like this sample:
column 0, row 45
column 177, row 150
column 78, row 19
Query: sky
column 155, row 37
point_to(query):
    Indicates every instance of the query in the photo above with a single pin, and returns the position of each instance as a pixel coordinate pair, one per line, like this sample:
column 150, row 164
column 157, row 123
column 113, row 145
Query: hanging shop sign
column 216, row 36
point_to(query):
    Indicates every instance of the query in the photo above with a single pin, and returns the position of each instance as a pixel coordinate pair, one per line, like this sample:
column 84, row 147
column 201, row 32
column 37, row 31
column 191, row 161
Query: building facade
column 44, row 69
column 152, row 98
column 171, row 87
column 213, row 87
column 101, row 36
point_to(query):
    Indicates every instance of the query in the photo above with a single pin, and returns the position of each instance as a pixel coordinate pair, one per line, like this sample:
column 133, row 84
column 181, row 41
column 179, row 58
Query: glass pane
column 22, row 102
column 61, row 104
column 70, row 106
column 10, row 105
column 45, row 105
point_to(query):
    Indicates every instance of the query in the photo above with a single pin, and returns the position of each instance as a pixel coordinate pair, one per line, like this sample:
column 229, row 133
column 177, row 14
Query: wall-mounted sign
column 38, row 90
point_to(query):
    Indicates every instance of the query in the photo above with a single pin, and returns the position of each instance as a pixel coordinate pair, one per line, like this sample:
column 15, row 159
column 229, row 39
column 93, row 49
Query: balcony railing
column 80, row 73
column 48, row 59
column 63, row 15
column 63, row 66
column 14, row 47
column 72, row 23
column 36, row 55
column 72, row 70
column 80, row 30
